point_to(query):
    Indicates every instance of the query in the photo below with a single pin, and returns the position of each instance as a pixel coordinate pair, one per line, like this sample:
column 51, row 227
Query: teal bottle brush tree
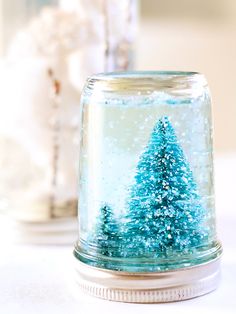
column 106, row 234
column 164, row 214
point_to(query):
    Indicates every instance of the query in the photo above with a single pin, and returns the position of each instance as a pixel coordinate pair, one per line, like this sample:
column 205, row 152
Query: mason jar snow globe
column 47, row 49
column 146, row 192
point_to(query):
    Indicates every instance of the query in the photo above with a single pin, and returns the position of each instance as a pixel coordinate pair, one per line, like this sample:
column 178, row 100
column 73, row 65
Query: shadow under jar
column 146, row 192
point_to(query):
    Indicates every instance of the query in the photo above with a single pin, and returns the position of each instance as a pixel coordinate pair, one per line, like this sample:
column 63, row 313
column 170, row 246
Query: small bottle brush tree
column 106, row 236
column 164, row 210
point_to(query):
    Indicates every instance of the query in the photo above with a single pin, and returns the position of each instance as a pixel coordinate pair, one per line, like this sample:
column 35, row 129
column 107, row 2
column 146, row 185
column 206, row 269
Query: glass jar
column 47, row 49
column 146, row 190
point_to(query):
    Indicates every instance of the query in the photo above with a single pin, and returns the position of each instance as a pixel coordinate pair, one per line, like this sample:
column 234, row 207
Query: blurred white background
column 195, row 35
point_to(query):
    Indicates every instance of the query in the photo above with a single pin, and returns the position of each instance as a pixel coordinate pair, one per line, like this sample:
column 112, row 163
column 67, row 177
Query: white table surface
column 39, row 278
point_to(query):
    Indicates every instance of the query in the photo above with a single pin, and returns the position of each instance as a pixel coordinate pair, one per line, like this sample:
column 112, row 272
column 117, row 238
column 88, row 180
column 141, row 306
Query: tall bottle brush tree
column 165, row 213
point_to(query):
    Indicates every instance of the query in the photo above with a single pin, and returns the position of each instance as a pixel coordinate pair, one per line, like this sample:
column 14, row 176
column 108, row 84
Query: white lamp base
column 60, row 231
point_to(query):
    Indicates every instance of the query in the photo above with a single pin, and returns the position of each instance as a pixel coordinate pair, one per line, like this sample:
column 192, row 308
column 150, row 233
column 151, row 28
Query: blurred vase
column 48, row 48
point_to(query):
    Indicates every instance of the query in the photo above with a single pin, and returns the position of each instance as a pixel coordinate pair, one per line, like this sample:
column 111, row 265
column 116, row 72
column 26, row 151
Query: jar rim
column 143, row 75
column 177, row 83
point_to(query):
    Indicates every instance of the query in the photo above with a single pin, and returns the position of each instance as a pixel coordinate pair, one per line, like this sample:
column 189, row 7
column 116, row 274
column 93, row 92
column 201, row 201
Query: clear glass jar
column 146, row 190
column 47, row 49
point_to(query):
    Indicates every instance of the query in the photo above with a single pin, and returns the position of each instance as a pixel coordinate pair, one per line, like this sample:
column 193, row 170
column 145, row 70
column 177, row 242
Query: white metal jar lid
column 169, row 286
